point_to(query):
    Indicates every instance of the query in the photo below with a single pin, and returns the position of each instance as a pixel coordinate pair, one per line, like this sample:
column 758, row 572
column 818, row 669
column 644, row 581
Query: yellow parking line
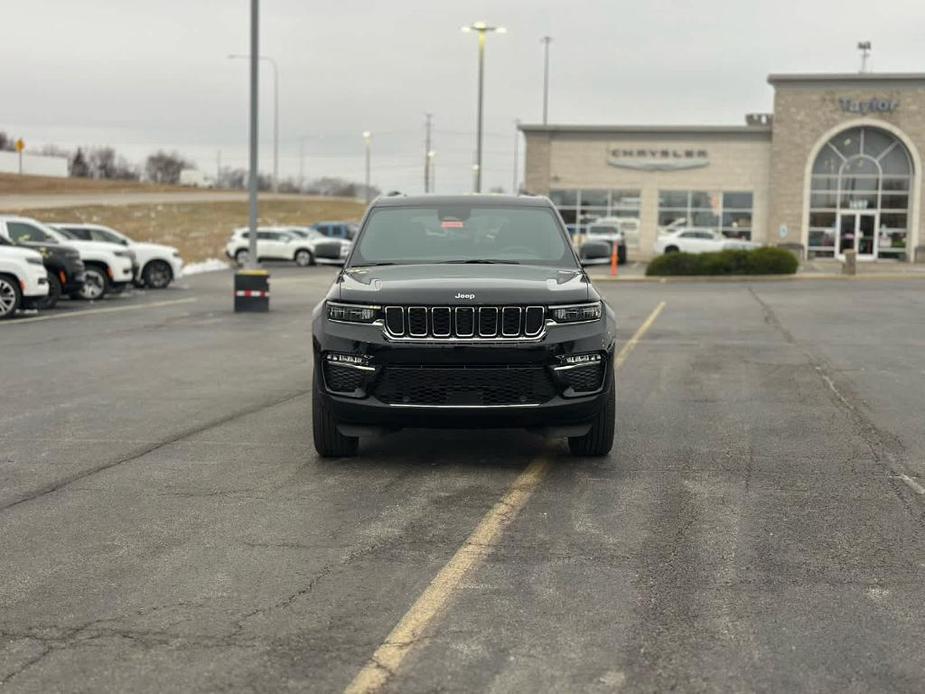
column 441, row 590
column 113, row 309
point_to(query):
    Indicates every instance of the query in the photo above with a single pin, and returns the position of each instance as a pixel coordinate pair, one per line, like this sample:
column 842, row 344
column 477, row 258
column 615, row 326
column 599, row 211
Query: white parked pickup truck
column 686, row 240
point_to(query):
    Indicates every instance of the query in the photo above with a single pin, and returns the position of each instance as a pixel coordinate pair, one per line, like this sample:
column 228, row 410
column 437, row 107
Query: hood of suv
column 463, row 285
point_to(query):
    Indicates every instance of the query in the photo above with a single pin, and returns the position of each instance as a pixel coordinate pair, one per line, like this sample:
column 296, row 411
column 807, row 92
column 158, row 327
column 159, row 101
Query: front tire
column 10, row 297
column 241, row 257
column 304, row 258
column 95, row 286
column 329, row 442
column 157, row 275
column 54, row 293
column 599, row 440
column 672, row 249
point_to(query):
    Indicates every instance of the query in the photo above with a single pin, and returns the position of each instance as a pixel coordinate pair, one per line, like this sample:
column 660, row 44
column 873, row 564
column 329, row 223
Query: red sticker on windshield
column 451, row 224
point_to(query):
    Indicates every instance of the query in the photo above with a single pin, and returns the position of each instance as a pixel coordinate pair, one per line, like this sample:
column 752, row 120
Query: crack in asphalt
column 886, row 449
column 185, row 434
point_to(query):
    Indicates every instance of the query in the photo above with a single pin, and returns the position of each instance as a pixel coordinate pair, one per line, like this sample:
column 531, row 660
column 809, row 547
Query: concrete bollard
column 850, row 263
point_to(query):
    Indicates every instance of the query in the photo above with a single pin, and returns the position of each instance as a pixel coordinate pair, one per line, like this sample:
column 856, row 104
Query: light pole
column 516, row 157
column 546, row 40
column 367, row 137
column 427, row 151
column 482, row 29
column 864, row 47
column 275, row 115
column 432, row 172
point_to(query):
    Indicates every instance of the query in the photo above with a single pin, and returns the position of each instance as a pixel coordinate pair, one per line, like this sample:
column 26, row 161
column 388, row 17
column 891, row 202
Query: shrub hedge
column 759, row 261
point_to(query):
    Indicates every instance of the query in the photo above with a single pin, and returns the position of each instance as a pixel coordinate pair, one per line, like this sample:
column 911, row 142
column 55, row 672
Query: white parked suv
column 23, row 279
column 157, row 265
column 109, row 267
column 273, row 243
column 687, row 240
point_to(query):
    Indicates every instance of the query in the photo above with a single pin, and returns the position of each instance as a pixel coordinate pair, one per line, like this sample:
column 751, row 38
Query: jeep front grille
column 465, row 322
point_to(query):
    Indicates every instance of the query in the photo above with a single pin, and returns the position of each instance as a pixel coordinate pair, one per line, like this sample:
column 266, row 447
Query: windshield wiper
column 369, row 265
column 481, row 261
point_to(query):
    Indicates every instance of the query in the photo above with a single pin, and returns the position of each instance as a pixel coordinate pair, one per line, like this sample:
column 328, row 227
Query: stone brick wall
column 805, row 111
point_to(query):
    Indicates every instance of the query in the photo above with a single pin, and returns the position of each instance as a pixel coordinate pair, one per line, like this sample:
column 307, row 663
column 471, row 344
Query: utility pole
column 864, row 47
column 427, row 125
column 252, row 263
column 301, row 165
column 516, row 157
column 218, row 168
column 546, row 40
column 367, row 137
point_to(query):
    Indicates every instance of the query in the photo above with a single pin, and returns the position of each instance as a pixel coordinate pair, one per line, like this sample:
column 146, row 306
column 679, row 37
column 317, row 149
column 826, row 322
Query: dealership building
column 837, row 166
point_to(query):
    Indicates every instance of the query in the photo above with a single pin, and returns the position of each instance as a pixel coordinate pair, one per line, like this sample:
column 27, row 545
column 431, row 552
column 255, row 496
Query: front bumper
column 34, row 282
column 560, row 411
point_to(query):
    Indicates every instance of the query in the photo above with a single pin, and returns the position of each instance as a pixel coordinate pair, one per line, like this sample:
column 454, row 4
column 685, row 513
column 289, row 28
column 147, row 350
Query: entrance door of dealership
column 857, row 231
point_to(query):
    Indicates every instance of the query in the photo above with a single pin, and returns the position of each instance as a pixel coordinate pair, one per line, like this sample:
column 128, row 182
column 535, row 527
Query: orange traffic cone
column 614, row 260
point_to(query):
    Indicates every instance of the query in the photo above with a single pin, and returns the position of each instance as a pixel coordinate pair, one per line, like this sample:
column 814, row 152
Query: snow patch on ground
column 210, row 265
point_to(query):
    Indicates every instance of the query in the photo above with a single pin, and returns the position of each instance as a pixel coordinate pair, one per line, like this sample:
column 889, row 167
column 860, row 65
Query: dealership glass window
column 580, row 208
column 862, row 169
column 729, row 212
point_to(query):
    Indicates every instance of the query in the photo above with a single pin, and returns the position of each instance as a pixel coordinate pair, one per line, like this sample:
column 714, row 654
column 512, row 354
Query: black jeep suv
column 464, row 311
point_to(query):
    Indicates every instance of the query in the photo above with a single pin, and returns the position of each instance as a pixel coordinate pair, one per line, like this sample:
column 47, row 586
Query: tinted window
column 21, row 232
column 103, row 235
column 463, row 233
column 78, row 233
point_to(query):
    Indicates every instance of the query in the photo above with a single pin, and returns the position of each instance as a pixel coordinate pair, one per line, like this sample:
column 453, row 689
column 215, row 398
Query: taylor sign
column 657, row 159
column 875, row 105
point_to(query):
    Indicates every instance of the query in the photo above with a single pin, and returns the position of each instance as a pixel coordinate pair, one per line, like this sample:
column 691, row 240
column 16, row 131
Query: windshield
column 67, row 234
column 462, row 234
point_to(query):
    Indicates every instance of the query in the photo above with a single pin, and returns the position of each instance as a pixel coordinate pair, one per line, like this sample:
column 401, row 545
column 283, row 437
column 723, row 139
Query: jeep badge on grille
column 465, row 296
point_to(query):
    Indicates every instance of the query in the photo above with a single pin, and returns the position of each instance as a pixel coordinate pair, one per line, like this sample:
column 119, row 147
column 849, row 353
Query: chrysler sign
column 657, row 159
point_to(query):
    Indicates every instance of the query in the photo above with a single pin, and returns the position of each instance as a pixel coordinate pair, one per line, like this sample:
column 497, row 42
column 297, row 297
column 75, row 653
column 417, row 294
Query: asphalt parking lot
column 165, row 524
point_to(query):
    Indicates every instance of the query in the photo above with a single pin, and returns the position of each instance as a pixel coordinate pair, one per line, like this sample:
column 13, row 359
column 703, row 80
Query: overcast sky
column 143, row 74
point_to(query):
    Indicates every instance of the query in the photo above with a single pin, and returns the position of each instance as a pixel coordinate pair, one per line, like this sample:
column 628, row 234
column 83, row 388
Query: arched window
column 859, row 195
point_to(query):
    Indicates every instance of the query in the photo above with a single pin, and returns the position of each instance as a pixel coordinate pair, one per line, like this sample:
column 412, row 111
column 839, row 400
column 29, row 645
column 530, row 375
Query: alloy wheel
column 7, row 297
column 94, row 285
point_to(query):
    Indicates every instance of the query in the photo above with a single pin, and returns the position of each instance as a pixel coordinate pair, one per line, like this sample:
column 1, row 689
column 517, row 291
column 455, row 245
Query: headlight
column 576, row 313
column 34, row 261
column 352, row 313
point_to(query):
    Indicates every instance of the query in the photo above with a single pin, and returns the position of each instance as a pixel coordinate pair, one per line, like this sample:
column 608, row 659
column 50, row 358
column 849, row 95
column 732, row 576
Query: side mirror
column 594, row 252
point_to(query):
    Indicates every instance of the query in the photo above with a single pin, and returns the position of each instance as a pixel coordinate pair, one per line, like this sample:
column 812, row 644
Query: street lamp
column 367, row 137
column 272, row 62
column 482, row 29
column 432, row 172
column 546, row 40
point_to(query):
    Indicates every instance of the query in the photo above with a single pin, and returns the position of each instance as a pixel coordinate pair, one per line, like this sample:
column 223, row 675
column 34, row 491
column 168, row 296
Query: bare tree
column 79, row 166
column 165, row 167
column 7, row 144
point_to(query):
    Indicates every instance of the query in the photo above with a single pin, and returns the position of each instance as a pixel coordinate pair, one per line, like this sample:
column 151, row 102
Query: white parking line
column 114, row 309
column 915, row 486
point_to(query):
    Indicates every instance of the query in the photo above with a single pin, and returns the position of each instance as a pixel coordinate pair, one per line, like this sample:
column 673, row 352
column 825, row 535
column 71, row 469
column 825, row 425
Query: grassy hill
column 200, row 230
column 14, row 184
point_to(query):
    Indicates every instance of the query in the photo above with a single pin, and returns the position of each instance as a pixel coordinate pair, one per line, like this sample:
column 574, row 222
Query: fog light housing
column 580, row 374
column 360, row 360
column 347, row 374
column 573, row 359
